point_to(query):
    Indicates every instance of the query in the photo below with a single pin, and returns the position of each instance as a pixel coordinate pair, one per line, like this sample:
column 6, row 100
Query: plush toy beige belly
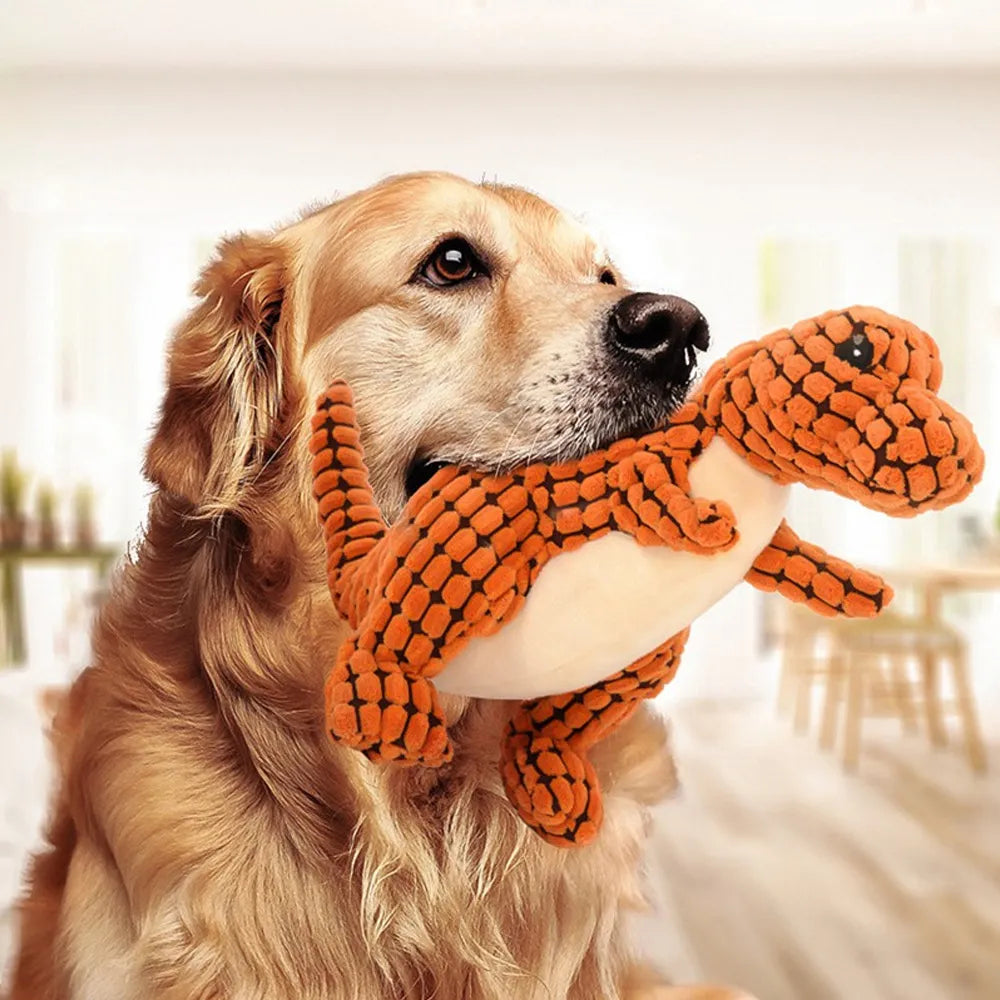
column 596, row 609
column 635, row 542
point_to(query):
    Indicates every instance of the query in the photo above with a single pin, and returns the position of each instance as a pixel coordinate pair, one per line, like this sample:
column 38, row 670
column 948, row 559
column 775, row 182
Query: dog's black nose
column 657, row 329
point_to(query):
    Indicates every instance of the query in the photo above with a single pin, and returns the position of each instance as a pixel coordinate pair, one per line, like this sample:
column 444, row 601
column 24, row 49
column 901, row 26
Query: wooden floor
column 775, row 871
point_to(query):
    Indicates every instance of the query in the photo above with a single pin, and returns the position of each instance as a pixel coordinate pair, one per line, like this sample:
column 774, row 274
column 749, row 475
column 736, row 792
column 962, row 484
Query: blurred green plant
column 13, row 485
column 45, row 511
column 84, row 529
column 45, row 503
column 83, row 503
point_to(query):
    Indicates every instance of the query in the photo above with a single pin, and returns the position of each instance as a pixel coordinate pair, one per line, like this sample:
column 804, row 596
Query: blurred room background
column 766, row 165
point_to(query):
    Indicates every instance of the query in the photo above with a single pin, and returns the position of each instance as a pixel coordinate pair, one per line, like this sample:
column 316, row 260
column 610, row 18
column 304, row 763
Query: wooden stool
column 873, row 659
column 808, row 642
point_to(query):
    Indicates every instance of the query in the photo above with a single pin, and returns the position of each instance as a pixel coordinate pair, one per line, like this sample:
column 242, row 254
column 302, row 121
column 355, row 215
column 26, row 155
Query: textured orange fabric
column 459, row 562
column 462, row 558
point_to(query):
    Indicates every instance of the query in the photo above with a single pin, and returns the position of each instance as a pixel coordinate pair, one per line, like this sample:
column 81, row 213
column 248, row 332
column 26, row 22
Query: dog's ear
column 225, row 378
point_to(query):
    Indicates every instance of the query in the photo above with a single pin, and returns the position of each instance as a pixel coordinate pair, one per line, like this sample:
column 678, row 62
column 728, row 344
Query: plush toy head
column 848, row 402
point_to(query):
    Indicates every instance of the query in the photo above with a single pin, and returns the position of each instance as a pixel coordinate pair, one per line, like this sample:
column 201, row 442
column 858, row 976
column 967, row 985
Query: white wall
column 683, row 173
column 502, row 34
column 919, row 150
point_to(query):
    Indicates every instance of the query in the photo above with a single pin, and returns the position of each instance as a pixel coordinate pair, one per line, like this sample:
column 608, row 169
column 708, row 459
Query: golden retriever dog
column 208, row 841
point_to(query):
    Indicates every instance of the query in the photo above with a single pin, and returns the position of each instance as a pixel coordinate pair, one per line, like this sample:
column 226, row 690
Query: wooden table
column 934, row 581
column 12, row 561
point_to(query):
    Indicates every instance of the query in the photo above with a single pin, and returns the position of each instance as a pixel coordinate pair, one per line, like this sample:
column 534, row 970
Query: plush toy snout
column 908, row 452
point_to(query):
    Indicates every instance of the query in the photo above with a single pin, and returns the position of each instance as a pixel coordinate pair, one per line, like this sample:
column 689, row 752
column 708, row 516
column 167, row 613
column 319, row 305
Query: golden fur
column 207, row 840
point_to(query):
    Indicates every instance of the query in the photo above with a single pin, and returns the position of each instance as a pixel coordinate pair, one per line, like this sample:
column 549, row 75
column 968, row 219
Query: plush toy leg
column 805, row 574
column 376, row 707
column 546, row 773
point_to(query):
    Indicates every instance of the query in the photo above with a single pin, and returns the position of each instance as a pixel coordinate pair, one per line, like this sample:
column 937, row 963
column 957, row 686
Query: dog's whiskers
column 506, row 448
column 470, row 449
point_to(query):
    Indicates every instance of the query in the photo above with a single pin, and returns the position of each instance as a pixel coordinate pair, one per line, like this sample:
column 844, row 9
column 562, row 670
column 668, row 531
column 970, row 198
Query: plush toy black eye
column 857, row 350
column 608, row 277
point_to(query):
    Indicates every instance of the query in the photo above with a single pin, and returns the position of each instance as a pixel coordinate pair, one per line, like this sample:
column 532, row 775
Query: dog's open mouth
column 420, row 472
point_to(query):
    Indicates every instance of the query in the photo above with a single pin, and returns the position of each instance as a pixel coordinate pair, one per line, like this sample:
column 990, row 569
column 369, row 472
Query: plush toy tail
column 352, row 522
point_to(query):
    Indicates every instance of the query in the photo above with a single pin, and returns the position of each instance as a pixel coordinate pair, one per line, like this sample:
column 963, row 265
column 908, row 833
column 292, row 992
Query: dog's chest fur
column 430, row 886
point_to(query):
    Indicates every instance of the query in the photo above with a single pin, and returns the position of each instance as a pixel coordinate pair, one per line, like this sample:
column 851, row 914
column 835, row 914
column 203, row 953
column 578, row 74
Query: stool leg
column 932, row 699
column 803, row 699
column 786, row 678
column 833, row 696
column 967, row 710
column 855, row 710
column 903, row 694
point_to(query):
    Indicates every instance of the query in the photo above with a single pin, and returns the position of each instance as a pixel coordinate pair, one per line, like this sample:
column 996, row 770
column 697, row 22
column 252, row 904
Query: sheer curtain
column 95, row 311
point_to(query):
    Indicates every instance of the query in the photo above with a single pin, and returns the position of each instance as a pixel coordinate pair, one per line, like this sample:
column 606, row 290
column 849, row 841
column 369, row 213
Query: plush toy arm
column 546, row 773
column 805, row 574
column 657, row 511
column 352, row 522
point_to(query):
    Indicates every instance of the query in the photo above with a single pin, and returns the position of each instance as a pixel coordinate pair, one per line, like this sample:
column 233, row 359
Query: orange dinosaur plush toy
column 846, row 402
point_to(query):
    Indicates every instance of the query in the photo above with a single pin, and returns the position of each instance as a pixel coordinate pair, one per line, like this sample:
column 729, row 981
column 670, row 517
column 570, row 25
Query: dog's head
column 848, row 401
column 474, row 323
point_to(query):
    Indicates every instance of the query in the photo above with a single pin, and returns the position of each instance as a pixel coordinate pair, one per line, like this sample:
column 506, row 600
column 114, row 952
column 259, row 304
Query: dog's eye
column 857, row 350
column 451, row 263
column 608, row 277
